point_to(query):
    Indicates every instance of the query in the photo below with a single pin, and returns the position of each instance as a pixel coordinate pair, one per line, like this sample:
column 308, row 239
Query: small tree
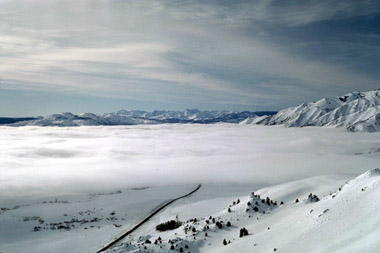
column 224, row 242
column 243, row 232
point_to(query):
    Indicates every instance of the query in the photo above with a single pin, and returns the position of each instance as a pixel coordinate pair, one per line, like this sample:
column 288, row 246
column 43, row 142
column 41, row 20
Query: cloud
column 214, row 52
column 52, row 160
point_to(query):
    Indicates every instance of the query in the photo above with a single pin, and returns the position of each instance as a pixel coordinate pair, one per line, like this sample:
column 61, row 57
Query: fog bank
column 35, row 160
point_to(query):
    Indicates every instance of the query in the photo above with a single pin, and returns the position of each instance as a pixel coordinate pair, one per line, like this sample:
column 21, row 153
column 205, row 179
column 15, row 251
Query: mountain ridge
column 356, row 111
column 136, row 117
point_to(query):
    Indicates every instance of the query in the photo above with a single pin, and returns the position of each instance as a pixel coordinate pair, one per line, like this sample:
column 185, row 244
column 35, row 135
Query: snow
column 357, row 111
column 345, row 219
column 60, row 174
column 98, row 217
column 135, row 117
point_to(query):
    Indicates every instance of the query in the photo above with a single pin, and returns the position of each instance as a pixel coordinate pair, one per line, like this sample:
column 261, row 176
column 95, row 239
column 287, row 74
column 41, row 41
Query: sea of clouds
column 52, row 160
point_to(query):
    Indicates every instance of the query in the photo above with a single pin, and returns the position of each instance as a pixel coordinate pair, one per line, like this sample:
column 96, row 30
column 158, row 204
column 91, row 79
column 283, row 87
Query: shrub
column 313, row 198
column 243, row 232
column 169, row 225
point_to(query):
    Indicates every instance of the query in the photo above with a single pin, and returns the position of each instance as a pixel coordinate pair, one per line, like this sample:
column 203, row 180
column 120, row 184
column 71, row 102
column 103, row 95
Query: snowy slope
column 77, row 223
column 253, row 120
column 135, row 117
column 336, row 217
column 357, row 111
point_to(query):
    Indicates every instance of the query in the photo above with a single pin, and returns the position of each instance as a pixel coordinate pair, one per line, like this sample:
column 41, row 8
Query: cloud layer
column 48, row 161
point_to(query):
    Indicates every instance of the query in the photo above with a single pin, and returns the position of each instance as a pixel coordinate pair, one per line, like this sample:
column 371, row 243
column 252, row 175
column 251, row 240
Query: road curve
column 114, row 242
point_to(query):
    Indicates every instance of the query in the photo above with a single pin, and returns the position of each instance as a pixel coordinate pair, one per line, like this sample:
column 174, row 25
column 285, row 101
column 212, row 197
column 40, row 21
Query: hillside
column 326, row 218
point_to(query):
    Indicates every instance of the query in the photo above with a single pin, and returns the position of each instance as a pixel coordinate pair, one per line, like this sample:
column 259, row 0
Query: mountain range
column 135, row 117
column 356, row 111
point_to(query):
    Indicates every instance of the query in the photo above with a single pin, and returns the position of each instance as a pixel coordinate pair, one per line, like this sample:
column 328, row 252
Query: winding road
column 157, row 210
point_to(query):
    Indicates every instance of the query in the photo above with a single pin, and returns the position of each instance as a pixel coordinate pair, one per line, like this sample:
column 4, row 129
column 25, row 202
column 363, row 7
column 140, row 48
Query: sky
column 103, row 56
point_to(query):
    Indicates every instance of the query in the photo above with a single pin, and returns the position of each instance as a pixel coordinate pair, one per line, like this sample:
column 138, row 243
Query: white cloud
column 125, row 49
column 49, row 160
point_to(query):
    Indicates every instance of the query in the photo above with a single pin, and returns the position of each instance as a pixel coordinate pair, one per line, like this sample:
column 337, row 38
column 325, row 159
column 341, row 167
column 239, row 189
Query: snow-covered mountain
column 356, row 111
column 135, row 117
